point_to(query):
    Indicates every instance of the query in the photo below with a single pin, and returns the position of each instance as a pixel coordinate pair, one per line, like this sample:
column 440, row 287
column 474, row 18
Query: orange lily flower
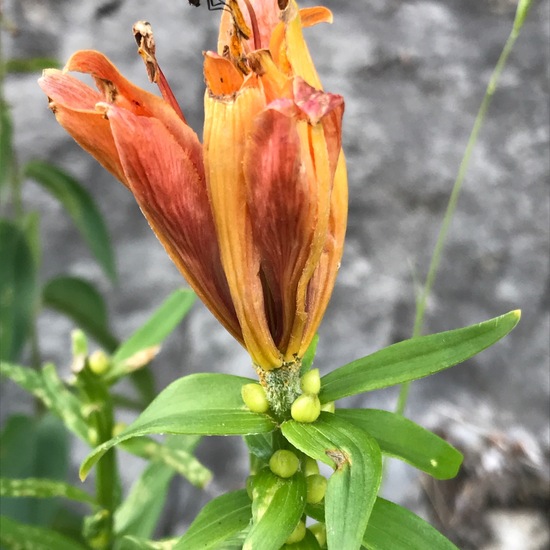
column 255, row 216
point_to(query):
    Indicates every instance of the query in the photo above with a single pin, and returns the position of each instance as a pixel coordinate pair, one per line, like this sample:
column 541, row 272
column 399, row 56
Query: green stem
column 523, row 8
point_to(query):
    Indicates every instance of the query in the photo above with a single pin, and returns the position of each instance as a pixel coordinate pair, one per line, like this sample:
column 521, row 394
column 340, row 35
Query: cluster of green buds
column 305, row 408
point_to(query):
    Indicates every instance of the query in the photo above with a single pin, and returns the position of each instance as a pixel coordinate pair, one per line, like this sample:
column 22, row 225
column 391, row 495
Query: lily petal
column 171, row 192
column 228, row 124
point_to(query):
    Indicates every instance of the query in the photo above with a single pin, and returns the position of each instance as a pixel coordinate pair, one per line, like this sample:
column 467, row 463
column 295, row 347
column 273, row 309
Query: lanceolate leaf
column 6, row 148
column 415, row 358
column 31, row 65
column 201, row 404
column 219, row 520
column 80, row 206
column 277, row 507
column 80, row 300
column 403, row 439
column 396, row 528
column 392, row 527
column 352, row 488
column 139, row 513
column 309, row 356
column 42, row 488
column 17, row 290
column 176, row 452
column 15, row 536
column 163, row 321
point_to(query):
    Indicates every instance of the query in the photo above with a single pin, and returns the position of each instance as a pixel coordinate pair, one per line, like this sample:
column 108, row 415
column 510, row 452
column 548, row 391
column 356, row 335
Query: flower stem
column 521, row 13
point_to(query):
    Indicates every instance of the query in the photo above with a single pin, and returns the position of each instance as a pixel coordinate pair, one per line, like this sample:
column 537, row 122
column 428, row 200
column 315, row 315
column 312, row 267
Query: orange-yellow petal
column 228, row 123
column 73, row 104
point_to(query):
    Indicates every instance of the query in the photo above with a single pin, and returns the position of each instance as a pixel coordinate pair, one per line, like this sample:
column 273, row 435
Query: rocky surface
column 413, row 74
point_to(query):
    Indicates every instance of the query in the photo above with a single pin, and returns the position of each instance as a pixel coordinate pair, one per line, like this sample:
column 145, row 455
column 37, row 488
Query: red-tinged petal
column 171, row 192
column 227, row 125
column 315, row 15
column 282, row 200
column 119, row 91
column 322, row 283
column 73, row 104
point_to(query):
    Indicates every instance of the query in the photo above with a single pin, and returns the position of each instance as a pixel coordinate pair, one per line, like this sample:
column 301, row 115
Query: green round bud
column 99, row 362
column 311, row 381
column 306, row 408
column 310, row 466
column 328, row 407
column 284, row 463
column 316, row 488
column 254, row 398
column 298, row 534
column 320, row 533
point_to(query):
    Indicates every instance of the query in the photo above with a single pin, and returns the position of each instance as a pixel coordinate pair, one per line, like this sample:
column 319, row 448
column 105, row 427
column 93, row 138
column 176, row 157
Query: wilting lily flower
column 255, row 216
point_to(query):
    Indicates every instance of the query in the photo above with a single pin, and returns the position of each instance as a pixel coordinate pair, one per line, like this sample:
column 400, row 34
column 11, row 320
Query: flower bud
column 284, row 463
column 311, row 382
column 254, row 398
column 298, row 534
column 306, row 408
column 310, row 466
column 99, row 362
column 328, row 407
column 320, row 533
column 316, row 488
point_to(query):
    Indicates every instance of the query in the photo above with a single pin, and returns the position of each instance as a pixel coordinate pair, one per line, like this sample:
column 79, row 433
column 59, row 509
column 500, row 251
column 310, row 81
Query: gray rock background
column 413, row 74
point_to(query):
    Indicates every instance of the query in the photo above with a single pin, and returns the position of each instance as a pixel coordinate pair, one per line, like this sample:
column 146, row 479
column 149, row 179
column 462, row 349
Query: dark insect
column 212, row 4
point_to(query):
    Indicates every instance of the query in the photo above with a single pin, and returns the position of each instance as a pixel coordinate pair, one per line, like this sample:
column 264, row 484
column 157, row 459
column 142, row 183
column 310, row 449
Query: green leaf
column 415, row 358
column 139, row 513
column 176, row 452
column 82, row 208
column 352, row 488
column 30, row 224
column 392, row 527
column 277, row 506
column 309, row 355
column 260, row 445
column 47, row 386
column 7, row 158
column 396, row 528
column 31, row 65
column 136, row 543
column 220, row 519
column 165, row 319
column 42, row 488
column 80, row 300
column 202, row 404
column 19, row 536
column 403, row 439
column 17, row 290
column 36, row 449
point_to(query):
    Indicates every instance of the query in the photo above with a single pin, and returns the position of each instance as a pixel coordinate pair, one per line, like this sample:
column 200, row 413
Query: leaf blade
column 81, row 207
column 414, row 358
column 403, row 439
column 220, row 519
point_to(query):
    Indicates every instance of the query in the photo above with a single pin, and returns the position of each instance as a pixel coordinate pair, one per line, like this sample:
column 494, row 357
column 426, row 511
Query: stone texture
column 413, row 74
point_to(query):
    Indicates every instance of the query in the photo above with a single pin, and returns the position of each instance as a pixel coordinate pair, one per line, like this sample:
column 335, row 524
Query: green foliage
column 16, row 536
column 32, row 448
column 403, row 439
column 31, row 65
column 277, row 506
column 80, row 205
column 219, row 520
column 42, row 488
column 79, row 300
column 18, row 292
column 202, row 404
column 415, row 358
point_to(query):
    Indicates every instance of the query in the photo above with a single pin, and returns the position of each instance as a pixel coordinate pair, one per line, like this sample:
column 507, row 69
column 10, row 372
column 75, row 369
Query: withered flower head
column 255, row 216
